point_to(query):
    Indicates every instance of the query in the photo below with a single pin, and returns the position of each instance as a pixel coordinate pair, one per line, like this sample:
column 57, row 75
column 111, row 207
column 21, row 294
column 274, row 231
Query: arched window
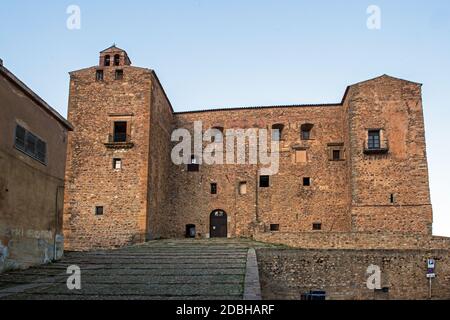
column 218, row 138
column 107, row 60
column 306, row 131
column 277, row 132
column 117, row 60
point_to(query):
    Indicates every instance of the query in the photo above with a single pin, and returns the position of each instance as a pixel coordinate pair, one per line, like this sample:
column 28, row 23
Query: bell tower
column 114, row 57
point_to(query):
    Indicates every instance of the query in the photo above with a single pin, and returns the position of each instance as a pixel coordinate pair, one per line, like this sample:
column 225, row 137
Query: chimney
column 1, row 63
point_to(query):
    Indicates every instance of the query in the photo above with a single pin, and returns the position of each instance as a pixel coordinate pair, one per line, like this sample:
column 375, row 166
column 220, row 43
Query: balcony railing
column 119, row 141
column 374, row 148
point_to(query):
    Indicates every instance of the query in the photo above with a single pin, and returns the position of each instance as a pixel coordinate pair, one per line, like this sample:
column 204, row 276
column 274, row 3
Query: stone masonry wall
column 91, row 180
column 286, row 202
column 342, row 274
column 395, row 107
column 354, row 240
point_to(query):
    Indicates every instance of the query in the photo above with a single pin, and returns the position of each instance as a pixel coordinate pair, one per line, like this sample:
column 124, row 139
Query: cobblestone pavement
column 157, row 270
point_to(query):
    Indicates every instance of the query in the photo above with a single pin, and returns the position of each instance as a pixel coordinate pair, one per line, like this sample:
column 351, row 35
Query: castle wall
column 160, row 163
column 343, row 274
column 90, row 178
column 286, row 202
column 395, row 106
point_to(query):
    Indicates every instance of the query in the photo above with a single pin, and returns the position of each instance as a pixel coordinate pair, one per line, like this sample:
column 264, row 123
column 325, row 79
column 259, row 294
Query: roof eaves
column 31, row 94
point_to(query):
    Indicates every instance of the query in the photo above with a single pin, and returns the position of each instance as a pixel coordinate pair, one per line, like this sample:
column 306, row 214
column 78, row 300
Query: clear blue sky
column 236, row 53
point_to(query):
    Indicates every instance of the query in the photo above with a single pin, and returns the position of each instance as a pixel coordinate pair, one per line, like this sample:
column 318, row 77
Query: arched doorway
column 218, row 224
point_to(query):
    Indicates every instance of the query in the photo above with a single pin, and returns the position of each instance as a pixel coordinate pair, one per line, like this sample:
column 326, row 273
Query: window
column 99, row 75
column 306, row 130
column 277, row 132
column 28, row 143
column 107, row 61
column 117, row 60
column 374, row 141
column 336, row 155
column 98, row 211
column 193, row 166
column 264, row 181
column 301, row 156
column 274, row 227
column 117, row 164
column 213, row 188
column 306, row 182
column 392, row 198
column 119, row 74
column 120, row 131
column 243, row 188
column 317, row 226
column 218, row 138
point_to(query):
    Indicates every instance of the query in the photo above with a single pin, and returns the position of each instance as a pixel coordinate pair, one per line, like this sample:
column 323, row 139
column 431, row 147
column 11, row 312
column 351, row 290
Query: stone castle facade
column 358, row 166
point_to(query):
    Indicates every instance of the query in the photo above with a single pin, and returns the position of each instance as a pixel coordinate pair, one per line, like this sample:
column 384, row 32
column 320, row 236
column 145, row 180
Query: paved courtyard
column 166, row 269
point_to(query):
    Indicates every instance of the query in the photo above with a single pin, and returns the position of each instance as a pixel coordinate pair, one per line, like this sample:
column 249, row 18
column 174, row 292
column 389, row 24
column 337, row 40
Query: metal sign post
column 431, row 274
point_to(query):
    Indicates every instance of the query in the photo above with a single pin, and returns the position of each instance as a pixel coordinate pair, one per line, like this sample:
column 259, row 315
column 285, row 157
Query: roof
column 112, row 48
column 263, row 107
column 33, row 96
column 299, row 105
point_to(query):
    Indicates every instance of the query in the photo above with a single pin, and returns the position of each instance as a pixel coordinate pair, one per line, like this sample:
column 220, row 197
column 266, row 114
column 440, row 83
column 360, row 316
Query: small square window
column 193, row 166
column 213, row 188
column 392, row 198
column 274, row 227
column 306, row 182
column 99, row 75
column 117, row 164
column 264, row 181
column 98, row 211
column 317, row 226
column 119, row 74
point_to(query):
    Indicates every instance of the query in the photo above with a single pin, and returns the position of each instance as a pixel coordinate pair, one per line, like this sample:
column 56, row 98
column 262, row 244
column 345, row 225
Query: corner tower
column 109, row 168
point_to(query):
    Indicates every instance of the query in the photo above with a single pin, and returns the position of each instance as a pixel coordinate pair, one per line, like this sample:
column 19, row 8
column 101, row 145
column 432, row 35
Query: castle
column 355, row 166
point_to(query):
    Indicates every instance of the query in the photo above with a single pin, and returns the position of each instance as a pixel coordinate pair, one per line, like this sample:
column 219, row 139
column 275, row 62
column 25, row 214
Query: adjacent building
column 356, row 166
column 33, row 147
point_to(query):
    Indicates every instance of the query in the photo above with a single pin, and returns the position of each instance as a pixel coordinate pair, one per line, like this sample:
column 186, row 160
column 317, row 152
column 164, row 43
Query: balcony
column 377, row 147
column 119, row 141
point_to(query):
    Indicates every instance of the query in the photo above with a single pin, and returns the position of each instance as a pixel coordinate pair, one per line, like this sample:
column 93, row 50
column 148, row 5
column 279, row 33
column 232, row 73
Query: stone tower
column 388, row 169
column 114, row 108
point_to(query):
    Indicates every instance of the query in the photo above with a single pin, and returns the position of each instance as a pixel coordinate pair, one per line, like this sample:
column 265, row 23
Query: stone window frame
column 274, row 227
column 99, row 75
column 307, row 127
column 222, row 130
column 119, row 75
column 281, row 129
column 336, row 146
column 384, row 143
column 99, row 208
column 115, row 161
column 297, row 148
column 118, row 117
column 214, row 188
column 264, row 185
column 317, row 226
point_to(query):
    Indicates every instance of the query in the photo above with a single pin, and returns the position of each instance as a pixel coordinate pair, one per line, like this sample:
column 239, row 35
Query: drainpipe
column 56, row 220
